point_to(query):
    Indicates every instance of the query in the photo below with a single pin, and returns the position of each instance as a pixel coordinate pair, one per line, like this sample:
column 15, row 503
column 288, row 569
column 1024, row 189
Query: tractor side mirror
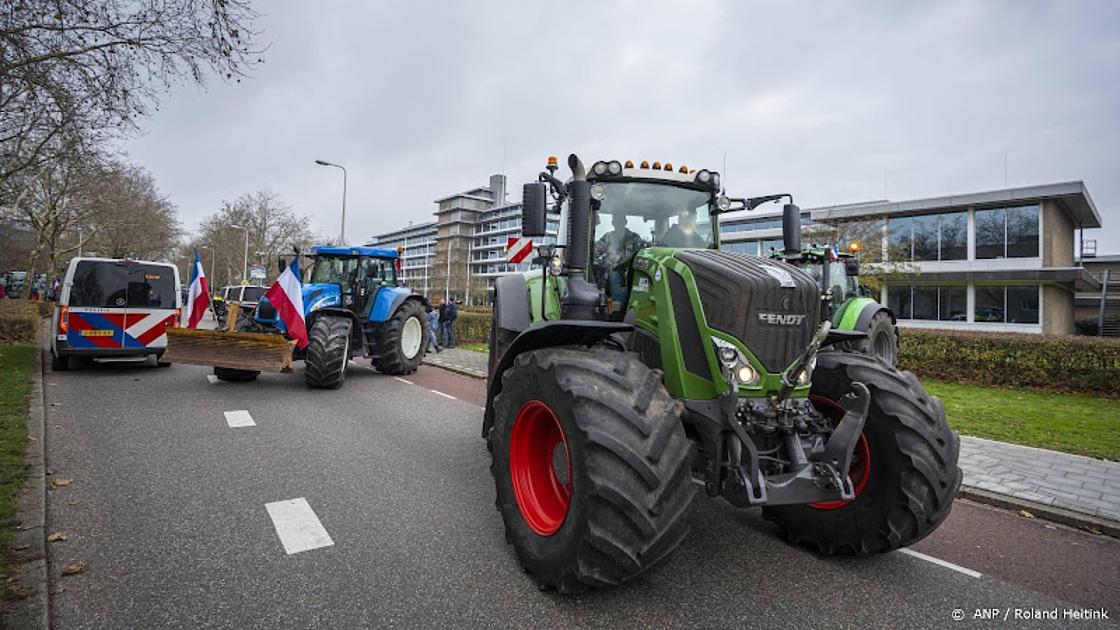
column 791, row 229
column 851, row 266
column 534, row 207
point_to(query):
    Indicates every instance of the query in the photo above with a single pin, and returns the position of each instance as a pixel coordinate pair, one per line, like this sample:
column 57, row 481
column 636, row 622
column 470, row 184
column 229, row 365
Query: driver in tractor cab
column 684, row 234
column 613, row 253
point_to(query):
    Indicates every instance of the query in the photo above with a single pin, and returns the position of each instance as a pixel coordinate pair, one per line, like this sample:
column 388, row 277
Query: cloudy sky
column 833, row 101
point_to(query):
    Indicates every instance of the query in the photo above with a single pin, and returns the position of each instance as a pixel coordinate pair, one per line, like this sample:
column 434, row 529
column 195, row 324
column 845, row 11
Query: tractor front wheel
column 403, row 340
column 904, row 472
column 591, row 467
column 327, row 352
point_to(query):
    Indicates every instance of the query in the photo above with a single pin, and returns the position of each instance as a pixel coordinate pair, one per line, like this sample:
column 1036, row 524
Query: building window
column 741, row 247
column 954, row 236
column 1013, row 305
column 1007, row 232
column 929, row 237
column 946, row 304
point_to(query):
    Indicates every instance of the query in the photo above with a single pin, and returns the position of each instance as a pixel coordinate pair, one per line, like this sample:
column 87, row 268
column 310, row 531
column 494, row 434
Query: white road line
column 403, row 380
column 940, row 562
column 297, row 526
column 444, row 395
column 239, row 418
column 213, row 379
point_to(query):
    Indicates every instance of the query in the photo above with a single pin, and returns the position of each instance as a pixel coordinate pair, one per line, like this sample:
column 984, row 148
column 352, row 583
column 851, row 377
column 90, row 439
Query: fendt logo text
column 781, row 319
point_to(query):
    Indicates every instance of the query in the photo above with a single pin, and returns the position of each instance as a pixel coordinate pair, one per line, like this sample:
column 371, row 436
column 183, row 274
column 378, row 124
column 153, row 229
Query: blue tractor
column 353, row 306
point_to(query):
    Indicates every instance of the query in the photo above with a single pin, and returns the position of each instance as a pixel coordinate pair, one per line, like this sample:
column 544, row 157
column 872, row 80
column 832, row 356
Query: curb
column 29, row 564
column 1046, row 512
column 456, row 369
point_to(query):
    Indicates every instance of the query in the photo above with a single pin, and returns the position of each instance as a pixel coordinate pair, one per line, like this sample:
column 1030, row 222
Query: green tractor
column 641, row 363
column 845, row 305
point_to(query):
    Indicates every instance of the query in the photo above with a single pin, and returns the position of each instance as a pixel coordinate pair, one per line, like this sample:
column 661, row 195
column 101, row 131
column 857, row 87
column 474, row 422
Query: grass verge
column 477, row 347
column 1071, row 423
column 16, row 364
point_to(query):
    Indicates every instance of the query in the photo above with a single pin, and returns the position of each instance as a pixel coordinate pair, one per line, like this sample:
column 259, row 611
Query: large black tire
column 235, row 376
column 328, row 352
column 394, row 357
column 881, row 341
column 913, row 476
column 629, row 466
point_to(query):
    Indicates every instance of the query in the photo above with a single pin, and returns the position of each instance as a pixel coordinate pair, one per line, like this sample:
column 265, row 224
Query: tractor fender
column 330, row 310
column 388, row 300
column 562, row 332
column 859, row 312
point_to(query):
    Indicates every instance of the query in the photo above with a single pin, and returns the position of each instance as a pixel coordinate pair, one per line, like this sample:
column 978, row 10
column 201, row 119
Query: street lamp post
column 342, row 231
column 245, row 268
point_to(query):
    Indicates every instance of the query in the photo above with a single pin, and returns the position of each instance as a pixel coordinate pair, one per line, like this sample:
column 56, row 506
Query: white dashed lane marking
column 297, row 526
column 403, row 380
column 212, row 379
column 444, row 395
column 239, row 418
column 940, row 562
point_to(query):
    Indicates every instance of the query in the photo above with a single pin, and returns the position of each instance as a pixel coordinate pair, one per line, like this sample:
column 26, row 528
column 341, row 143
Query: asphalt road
column 167, row 511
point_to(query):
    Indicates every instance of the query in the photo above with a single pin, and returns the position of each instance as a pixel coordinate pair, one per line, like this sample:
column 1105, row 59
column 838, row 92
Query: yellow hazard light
column 400, row 249
column 552, row 161
column 853, row 246
column 645, row 164
column 668, row 166
column 657, row 166
column 629, row 164
column 684, row 169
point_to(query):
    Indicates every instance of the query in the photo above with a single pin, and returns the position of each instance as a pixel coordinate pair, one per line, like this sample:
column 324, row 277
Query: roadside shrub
column 1086, row 326
column 19, row 321
column 1068, row 363
column 472, row 327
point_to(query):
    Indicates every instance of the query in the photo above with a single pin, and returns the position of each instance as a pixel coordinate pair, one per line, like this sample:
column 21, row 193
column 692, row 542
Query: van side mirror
column 534, row 208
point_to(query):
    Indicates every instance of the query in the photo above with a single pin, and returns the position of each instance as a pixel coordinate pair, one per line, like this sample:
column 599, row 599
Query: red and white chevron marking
column 518, row 249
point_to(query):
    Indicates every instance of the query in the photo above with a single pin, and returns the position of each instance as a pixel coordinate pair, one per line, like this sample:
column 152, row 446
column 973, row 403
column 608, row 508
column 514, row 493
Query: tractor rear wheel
column 403, row 340
column 235, row 376
column 904, row 471
column 327, row 352
column 591, row 466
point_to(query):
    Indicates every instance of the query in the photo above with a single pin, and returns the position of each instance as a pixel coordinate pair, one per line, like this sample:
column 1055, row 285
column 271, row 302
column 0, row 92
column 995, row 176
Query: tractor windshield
column 334, row 270
column 631, row 215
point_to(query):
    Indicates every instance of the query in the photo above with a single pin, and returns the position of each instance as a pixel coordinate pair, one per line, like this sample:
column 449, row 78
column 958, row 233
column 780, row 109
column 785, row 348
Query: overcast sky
column 834, row 102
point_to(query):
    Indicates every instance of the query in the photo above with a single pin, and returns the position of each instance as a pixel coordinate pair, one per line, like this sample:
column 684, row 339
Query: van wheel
column 59, row 364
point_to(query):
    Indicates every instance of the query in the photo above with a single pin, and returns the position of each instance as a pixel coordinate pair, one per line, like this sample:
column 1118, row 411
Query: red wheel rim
column 860, row 470
column 542, row 496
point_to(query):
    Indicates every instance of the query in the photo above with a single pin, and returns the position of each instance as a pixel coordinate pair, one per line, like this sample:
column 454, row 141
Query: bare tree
column 274, row 229
column 95, row 66
column 130, row 217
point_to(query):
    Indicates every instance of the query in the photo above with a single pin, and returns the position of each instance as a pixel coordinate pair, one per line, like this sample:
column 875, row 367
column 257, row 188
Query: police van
column 114, row 309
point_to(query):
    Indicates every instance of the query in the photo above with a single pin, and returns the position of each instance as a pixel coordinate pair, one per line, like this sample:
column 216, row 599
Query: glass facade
column 942, row 236
column 1007, row 232
column 1000, row 304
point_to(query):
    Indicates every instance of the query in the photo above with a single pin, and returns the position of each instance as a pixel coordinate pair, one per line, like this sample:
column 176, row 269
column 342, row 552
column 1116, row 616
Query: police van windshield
column 110, row 284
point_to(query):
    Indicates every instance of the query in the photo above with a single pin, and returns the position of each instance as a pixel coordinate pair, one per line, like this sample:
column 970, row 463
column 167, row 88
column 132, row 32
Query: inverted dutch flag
column 286, row 295
column 198, row 295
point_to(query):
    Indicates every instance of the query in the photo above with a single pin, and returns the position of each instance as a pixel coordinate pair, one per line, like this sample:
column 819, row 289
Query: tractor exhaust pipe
column 581, row 300
column 791, row 229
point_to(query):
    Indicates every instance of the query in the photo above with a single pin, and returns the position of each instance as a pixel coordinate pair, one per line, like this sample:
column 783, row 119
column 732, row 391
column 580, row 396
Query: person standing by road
column 447, row 314
column 433, row 329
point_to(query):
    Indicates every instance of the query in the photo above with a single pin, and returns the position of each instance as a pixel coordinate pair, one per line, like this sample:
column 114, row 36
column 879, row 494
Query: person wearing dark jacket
column 448, row 312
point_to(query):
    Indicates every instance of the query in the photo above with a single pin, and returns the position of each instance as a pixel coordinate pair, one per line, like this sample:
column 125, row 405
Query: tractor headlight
column 723, row 203
column 598, row 191
column 704, row 176
column 614, row 168
column 599, row 169
column 728, row 356
column 747, row 374
column 803, row 377
column 715, row 181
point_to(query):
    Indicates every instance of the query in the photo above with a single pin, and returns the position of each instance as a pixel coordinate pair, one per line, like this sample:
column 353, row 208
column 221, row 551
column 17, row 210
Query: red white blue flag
column 198, row 295
column 287, row 296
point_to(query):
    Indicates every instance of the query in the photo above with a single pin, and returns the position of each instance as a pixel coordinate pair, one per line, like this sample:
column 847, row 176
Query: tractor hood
column 315, row 296
column 768, row 305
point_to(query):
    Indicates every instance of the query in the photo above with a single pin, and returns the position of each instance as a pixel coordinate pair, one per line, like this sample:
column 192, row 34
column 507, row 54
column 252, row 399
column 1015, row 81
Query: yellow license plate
column 98, row 333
